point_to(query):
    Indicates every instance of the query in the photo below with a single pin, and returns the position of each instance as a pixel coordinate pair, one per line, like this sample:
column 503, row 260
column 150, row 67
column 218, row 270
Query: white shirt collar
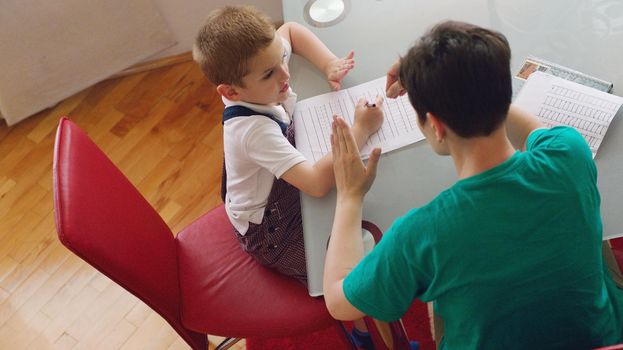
column 277, row 111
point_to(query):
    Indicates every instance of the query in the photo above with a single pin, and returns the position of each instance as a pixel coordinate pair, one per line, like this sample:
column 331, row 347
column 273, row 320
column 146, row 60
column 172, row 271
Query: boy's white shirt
column 255, row 153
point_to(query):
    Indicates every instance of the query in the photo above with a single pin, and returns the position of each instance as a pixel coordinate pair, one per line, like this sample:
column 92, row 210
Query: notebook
column 534, row 64
column 557, row 101
column 313, row 117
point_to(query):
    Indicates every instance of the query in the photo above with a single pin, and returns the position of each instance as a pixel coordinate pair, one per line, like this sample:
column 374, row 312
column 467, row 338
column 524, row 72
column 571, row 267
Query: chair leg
column 227, row 343
column 345, row 336
column 390, row 335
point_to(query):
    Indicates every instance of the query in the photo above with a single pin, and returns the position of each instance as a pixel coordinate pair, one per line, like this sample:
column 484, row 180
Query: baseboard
column 154, row 64
column 162, row 62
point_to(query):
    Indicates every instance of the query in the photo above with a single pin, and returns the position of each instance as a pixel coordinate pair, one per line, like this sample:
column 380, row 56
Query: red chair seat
column 217, row 276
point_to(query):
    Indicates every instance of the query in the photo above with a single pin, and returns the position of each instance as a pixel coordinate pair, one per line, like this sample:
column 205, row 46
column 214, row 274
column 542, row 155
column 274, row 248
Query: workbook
column 557, row 101
column 313, row 117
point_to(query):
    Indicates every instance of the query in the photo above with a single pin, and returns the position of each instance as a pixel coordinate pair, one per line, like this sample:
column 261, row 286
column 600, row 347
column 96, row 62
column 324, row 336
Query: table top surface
column 585, row 36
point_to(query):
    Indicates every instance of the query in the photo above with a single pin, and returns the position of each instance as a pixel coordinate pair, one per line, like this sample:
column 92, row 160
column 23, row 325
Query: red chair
column 200, row 281
column 617, row 250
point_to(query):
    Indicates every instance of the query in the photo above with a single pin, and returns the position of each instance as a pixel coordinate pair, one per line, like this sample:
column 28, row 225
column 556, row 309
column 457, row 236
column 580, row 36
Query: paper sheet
column 313, row 117
column 557, row 101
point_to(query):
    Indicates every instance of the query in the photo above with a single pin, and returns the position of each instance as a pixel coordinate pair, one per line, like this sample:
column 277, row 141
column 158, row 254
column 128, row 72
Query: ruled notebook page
column 557, row 101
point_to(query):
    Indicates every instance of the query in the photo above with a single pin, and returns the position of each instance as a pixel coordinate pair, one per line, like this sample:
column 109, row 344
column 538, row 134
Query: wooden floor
column 162, row 129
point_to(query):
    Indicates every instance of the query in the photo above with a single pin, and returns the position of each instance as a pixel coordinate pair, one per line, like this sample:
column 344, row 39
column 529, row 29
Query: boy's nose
column 284, row 73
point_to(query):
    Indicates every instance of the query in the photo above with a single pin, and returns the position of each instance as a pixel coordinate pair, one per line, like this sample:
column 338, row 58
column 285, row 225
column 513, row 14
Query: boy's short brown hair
column 229, row 38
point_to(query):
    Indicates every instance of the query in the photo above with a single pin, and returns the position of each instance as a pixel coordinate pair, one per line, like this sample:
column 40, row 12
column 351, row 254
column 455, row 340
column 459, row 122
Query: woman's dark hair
column 460, row 73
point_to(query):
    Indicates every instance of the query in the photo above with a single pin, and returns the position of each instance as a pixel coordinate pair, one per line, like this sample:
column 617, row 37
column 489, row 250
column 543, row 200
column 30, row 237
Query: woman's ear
column 438, row 127
column 228, row 91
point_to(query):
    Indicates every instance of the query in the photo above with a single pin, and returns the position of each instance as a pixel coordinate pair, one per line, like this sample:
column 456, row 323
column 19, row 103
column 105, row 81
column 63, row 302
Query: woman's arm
column 519, row 125
column 353, row 180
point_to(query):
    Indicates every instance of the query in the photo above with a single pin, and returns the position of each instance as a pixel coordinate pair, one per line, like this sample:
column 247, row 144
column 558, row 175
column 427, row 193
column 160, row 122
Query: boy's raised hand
column 369, row 116
column 337, row 69
column 352, row 178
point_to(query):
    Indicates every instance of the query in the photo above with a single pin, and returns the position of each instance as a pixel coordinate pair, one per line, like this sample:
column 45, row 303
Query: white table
column 586, row 36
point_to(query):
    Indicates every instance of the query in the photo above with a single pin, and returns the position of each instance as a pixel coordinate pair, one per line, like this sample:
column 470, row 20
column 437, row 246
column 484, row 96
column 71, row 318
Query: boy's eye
column 268, row 74
column 283, row 57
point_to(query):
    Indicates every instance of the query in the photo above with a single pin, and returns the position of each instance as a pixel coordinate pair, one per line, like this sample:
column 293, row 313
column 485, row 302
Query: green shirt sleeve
column 385, row 283
column 565, row 150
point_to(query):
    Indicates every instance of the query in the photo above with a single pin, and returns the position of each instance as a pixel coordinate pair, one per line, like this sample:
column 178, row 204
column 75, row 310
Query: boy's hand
column 337, row 69
column 352, row 178
column 393, row 88
column 369, row 116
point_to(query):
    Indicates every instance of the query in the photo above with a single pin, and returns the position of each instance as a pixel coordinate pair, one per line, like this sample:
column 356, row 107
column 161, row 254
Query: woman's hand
column 336, row 70
column 393, row 88
column 352, row 178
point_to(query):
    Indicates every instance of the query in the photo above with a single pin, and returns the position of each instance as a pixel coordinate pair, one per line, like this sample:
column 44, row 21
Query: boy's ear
column 228, row 91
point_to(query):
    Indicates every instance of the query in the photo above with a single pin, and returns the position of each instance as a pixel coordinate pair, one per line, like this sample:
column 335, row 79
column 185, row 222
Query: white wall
column 50, row 50
column 185, row 17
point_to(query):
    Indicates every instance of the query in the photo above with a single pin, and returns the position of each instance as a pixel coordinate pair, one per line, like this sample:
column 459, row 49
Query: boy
column 241, row 53
column 510, row 254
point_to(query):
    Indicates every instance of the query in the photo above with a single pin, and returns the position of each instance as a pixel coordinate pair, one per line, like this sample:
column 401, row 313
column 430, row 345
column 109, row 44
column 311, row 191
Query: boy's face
column 268, row 77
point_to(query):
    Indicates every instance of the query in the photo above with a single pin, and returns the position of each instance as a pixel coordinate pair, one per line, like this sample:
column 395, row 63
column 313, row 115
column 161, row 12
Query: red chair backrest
column 102, row 218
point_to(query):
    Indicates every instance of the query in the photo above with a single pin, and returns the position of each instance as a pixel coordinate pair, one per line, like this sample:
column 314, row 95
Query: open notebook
column 557, row 101
column 313, row 117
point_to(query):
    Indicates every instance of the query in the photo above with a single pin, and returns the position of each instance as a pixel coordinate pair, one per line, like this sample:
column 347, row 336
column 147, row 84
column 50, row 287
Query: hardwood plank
column 154, row 64
column 26, row 239
column 65, row 341
column 15, row 134
column 107, row 310
column 154, row 333
column 19, row 335
column 179, row 344
column 116, row 337
column 102, row 99
column 45, row 206
column 70, row 294
column 4, row 130
column 136, row 104
column 7, row 266
column 100, row 282
column 41, row 342
column 139, row 314
column 19, row 278
column 4, row 295
column 27, row 311
column 144, row 156
column 17, row 203
column 158, row 184
column 169, row 210
column 56, row 256
column 14, row 153
column 203, row 125
column 100, row 130
column 48, row 124
column 21, row 295
column 6, row 185
column 141, row 131
column 80, row 304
